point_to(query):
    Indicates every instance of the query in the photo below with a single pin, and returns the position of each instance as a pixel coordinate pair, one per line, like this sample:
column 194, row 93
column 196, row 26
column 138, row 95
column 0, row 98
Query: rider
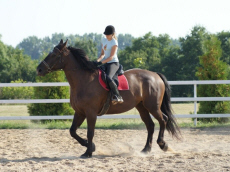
column 109, row 57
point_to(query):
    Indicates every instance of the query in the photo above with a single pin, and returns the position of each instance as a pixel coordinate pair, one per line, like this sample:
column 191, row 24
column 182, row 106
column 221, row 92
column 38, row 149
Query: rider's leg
column 116, row 98
column 111, row 69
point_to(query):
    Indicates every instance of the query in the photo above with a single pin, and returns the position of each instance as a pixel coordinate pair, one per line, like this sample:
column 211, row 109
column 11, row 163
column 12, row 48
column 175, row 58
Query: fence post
column 195, row 104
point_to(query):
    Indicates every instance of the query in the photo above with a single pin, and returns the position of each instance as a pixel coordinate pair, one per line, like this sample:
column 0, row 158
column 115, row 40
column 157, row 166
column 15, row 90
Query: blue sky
column 23, row 18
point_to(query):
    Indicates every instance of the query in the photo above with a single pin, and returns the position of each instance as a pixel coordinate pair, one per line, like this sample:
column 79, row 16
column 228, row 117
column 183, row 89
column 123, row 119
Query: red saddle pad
column 123, row 82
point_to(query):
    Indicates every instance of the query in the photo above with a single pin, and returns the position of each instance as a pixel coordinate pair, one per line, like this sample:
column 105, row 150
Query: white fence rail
column 173, row 99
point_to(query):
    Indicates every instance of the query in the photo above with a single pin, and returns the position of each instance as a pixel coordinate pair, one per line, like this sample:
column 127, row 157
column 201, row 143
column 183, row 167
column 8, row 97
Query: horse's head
column 54, row 60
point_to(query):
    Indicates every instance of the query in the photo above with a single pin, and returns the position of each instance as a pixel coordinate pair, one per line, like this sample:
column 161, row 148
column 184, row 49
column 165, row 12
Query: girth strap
column 106, row 106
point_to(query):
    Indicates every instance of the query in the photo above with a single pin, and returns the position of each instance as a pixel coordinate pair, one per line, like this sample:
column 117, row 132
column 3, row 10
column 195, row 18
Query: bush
column 212, row 68
column 49, row 109
column 17, row 92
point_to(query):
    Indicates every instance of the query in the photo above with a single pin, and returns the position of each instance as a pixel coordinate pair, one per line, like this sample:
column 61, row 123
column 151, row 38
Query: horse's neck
column 76, row 76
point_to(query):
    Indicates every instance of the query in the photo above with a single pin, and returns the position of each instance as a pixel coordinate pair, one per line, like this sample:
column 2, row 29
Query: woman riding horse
column 148, row 92
column 109, row 57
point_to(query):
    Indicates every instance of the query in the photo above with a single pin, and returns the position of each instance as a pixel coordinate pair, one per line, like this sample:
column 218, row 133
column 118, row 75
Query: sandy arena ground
column 116, row 151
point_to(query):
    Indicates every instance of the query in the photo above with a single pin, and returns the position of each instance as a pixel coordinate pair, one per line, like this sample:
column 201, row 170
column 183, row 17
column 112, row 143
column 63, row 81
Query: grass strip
column 101, row 124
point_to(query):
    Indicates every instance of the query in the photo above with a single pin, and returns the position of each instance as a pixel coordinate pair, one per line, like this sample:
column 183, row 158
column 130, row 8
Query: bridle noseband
column 64, row 52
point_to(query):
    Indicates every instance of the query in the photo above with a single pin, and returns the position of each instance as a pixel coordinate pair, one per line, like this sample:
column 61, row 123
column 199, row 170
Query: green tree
column 138, row 62
column 31, row 46
column 129, row 59
column 191, row 49
column 224, row 37
column 170, row 65
column 149, row 44
column 4, row 62
column 124, row 40
column 212, row 68
column 15, row 65
column 34, row 46
column 88, row 46
column 22, row 67
column 149, row 48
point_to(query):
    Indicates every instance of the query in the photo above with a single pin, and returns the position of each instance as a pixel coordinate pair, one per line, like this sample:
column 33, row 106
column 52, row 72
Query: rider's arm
column 113, row 51
column 101, row 55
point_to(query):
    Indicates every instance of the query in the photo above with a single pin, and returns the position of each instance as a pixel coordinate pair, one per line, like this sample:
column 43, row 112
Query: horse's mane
column 82, row 59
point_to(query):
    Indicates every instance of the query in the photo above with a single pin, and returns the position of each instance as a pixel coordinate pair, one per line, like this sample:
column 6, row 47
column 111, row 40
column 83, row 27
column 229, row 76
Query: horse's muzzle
column 40, row 72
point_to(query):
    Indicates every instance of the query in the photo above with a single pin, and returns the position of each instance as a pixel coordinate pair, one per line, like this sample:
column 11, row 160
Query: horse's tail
column 166, row 108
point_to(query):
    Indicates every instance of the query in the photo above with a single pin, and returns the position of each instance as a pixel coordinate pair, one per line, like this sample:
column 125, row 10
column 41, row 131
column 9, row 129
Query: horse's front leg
column 77, row 121
column 91, row 121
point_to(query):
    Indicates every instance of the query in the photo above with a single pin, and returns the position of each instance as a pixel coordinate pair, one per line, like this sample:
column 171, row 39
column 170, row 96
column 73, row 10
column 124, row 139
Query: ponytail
column 114, row 35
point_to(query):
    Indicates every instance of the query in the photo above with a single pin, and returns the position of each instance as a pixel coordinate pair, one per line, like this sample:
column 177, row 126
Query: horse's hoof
column 146, row 150
column 165, row 148
column 93, row 147
column 86, row 155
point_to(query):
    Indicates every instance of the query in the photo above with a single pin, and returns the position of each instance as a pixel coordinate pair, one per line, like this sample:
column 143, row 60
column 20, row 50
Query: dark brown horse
column 149, row 93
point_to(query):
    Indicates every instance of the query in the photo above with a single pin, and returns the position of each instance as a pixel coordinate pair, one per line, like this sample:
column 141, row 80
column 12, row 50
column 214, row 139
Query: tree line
column 177, row 59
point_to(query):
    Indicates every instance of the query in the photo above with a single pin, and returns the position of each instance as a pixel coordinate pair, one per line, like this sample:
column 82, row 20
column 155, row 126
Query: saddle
column 119, row 78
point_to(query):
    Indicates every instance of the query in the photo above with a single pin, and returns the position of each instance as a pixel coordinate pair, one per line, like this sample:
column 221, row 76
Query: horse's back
column 142, row 76
column 147, row 84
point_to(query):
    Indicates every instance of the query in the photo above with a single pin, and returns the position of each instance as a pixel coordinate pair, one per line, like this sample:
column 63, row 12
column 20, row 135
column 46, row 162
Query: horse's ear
column 65, row 43
column 61, row 42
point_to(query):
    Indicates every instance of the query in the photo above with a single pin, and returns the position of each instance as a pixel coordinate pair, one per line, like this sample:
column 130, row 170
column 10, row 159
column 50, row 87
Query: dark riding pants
column 111, row 69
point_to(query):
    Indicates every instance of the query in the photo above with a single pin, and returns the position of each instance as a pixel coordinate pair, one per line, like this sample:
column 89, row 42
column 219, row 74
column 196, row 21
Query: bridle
column 60, row 54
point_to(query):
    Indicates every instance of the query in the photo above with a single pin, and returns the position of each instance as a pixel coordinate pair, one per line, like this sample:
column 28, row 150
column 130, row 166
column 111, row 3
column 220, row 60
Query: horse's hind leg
column 162, row 121
column 153, row 105
column 146, row 118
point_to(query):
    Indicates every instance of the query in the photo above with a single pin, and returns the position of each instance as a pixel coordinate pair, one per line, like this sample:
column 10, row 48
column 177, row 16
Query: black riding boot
column 116, row 98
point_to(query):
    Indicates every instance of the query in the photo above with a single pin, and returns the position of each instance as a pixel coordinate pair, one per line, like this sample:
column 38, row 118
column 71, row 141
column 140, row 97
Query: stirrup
column 117, row 99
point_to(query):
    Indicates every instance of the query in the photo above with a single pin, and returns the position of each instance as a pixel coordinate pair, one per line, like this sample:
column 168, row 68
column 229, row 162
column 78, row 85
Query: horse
column 149, row 93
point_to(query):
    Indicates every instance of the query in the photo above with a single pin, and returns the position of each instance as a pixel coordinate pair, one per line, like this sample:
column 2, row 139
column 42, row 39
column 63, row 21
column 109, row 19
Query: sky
column 20, row 19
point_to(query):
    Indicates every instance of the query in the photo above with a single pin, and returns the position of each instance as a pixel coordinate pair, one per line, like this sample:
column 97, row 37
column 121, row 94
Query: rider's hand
column 96, row 63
